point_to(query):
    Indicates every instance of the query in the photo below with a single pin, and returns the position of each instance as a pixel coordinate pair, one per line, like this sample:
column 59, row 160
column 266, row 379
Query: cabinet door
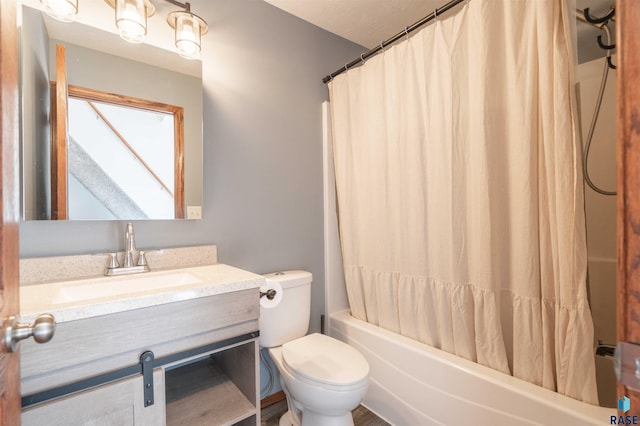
column 118, row 403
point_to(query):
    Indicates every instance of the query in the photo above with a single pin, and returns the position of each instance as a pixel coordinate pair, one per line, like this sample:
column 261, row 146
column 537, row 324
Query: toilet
column 322, row 378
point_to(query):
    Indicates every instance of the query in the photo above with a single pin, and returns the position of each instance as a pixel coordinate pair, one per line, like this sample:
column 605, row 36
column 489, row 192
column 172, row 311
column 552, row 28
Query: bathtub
column 415, row 384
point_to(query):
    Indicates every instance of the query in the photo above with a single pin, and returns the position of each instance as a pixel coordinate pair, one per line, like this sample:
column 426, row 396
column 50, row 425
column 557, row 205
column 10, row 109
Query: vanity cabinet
column 117, row 403
column 203, row 368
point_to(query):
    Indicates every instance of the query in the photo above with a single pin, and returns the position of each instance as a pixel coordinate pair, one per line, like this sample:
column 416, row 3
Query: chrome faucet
column 129, row 266
column 129, row 246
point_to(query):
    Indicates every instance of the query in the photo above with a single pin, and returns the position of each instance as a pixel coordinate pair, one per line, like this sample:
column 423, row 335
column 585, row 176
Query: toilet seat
column 325, row 362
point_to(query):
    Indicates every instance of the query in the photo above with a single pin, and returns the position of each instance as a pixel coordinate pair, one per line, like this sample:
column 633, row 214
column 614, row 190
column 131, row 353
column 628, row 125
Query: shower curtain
column 460, row 192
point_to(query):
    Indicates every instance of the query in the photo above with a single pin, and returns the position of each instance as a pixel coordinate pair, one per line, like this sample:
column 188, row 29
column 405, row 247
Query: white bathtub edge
column 523, row 399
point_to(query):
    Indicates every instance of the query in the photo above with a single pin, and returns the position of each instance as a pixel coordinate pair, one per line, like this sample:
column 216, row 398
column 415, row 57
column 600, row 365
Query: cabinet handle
column 42, row 331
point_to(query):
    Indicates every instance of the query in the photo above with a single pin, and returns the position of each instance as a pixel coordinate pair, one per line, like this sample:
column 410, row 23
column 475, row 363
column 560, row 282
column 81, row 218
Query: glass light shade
column 188, row 35
column 62, row 10
column 131, row 20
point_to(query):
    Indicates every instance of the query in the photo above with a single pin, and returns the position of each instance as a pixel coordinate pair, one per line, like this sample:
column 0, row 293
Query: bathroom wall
column 262, row 153
column 601, row 216
column 34, row 108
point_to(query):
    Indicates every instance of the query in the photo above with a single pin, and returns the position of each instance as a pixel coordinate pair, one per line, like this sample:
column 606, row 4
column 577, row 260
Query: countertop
column 208, row 281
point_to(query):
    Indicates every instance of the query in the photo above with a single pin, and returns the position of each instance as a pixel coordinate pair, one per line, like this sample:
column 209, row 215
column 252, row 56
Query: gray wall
column 34, row 99
column 262, row 71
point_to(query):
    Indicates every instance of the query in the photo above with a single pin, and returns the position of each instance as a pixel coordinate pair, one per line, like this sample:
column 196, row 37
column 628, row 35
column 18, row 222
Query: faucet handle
column 142, row 258
column 113, row 261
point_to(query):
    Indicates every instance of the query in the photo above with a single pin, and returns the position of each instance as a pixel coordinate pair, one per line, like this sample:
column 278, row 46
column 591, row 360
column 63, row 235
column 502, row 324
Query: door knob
column 42, row 331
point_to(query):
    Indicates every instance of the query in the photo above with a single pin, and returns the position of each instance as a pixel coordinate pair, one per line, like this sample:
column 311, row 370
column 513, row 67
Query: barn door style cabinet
column 192, row 362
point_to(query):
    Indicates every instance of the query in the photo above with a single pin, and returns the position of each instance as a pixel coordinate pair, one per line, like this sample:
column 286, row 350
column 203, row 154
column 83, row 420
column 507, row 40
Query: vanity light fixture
column 62, row 10
column 131, row 20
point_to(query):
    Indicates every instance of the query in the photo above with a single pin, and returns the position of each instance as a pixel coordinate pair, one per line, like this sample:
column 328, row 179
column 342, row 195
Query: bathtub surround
column 601, row 216
column 461, row 204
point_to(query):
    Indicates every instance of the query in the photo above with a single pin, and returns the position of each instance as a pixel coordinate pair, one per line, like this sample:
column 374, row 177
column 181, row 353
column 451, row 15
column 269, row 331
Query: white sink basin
column 47, row 297
column 120, row 286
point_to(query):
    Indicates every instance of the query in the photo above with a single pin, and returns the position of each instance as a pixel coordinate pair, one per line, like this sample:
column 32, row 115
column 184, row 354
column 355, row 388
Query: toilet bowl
column 323, row 378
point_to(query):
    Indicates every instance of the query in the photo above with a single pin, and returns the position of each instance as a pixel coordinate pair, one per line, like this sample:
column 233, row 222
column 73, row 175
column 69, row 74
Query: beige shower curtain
column 460, row 192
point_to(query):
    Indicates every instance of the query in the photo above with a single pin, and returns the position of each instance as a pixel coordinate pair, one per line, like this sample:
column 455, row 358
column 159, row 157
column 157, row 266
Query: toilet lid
column 323, row 359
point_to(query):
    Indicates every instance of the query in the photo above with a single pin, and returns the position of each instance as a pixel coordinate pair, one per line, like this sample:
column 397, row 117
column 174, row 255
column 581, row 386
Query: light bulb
column 62, row 10
column 131, row 20
column 189, row 29
column 188, row 36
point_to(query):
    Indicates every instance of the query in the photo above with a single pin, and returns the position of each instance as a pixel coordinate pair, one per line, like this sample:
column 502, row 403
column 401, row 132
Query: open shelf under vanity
column 211, row 390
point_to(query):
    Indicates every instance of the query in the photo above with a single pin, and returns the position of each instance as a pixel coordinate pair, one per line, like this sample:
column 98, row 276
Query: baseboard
column 272, row 399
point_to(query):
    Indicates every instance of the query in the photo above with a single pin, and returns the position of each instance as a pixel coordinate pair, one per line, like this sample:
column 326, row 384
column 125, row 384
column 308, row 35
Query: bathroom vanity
column 175, row 347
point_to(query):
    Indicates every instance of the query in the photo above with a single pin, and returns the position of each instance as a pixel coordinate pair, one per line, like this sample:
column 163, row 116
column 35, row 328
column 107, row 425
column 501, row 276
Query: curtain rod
column 407, row 30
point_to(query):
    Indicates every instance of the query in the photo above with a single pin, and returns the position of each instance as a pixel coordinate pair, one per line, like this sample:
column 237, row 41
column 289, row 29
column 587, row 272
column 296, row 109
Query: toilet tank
column 290, row 318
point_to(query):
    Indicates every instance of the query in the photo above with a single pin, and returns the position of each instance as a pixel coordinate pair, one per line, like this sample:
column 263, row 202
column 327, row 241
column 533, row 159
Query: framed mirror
column 142, row 159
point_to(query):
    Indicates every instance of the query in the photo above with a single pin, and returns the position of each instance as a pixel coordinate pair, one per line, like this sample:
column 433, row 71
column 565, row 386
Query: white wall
column 601, row 214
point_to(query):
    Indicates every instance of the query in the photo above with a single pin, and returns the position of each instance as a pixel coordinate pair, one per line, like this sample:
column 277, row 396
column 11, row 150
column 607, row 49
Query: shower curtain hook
column 605, row 46
column 362, row 58
column 406, row 32
column 435, row 14
column 595, row 20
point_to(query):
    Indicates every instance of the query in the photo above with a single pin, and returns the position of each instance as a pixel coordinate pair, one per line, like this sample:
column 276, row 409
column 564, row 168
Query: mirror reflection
column 135, row 154
column 124, row 158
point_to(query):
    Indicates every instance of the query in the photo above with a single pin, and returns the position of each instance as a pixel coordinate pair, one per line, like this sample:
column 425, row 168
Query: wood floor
column 361, row 416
